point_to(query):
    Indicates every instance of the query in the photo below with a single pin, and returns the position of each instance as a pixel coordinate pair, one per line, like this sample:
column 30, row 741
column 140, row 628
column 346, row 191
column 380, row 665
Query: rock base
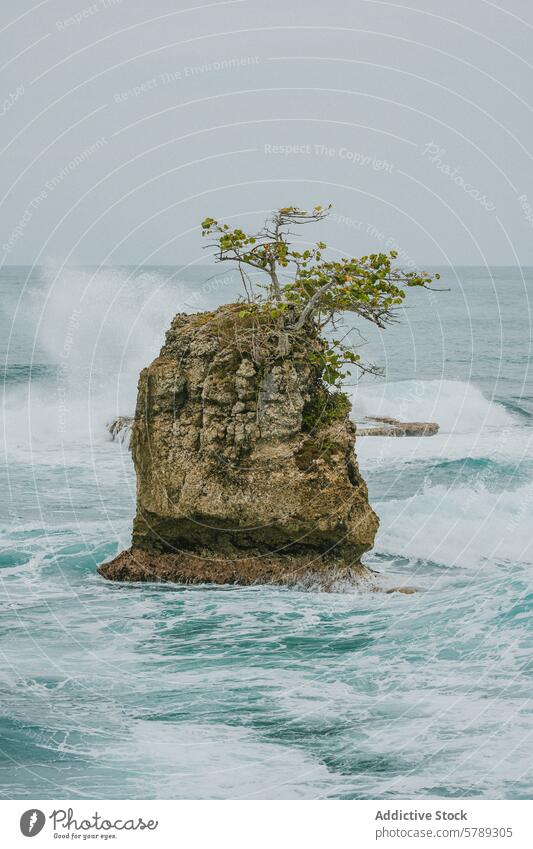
column 306, row 571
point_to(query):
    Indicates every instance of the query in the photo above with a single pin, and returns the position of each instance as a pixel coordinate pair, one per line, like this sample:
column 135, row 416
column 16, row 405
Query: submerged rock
column 120, row 429
column 384, row 426
column 246, row 471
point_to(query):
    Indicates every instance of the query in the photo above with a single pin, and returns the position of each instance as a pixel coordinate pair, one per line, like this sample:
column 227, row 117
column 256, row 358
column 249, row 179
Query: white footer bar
column 268, row 824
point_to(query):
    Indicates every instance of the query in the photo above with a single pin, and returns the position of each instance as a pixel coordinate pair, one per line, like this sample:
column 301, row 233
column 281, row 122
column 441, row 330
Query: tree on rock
column 319, row 290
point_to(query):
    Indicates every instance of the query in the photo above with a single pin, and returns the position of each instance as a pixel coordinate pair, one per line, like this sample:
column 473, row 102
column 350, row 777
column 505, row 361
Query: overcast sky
column 124, row 123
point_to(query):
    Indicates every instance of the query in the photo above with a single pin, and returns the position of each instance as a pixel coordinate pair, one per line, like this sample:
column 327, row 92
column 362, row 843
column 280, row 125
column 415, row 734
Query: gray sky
column 124, row 123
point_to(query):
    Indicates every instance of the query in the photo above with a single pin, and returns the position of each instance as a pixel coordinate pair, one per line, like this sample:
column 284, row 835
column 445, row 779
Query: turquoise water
column 111, row 691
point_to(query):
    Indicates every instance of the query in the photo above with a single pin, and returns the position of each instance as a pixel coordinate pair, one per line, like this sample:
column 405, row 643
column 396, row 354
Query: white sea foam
column 217, row 761
column 459, row 526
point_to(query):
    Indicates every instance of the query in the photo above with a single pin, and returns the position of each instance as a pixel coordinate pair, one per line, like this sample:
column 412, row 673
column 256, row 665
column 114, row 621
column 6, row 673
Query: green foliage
column 324, row 408
column 320, row 290
column 331, row 361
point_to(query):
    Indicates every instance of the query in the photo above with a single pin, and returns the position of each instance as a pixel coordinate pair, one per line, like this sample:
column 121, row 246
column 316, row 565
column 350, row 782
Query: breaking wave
column 90, row 333
column 457, row 406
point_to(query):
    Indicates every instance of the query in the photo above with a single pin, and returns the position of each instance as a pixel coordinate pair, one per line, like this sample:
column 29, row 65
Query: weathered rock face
column 243, row 474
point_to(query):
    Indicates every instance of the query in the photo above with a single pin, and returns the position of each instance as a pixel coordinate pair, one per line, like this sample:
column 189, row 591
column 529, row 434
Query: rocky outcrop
column 120, row 429
column 246, row 471
column 384, row 426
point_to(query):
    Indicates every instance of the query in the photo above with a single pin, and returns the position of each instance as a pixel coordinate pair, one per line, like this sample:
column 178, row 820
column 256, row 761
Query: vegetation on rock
column 319, row 290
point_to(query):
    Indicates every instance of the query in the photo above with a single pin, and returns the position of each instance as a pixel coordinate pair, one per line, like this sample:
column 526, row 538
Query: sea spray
column 96, row 328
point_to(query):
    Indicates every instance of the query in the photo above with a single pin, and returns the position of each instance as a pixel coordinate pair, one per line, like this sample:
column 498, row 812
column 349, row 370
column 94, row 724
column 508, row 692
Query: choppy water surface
column 119, row 691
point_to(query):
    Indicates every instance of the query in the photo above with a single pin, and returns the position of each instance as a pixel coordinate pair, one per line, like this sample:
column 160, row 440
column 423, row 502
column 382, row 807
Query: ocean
column 168, row 691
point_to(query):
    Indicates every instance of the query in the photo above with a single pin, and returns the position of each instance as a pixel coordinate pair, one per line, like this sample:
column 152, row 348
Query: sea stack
column 245, row 463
